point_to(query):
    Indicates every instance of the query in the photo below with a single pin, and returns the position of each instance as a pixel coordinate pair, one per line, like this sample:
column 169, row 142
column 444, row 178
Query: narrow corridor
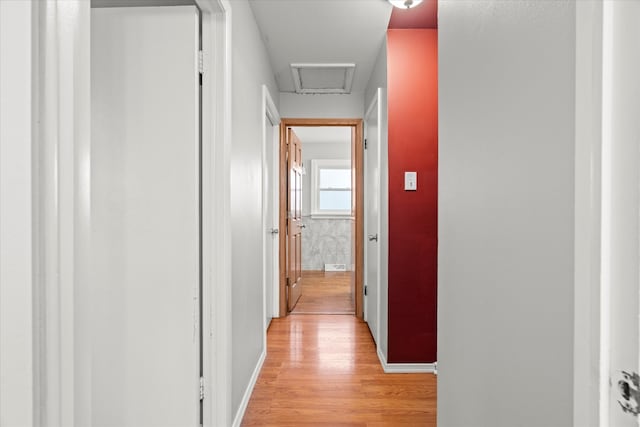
column 326, row 293
column 323, row 370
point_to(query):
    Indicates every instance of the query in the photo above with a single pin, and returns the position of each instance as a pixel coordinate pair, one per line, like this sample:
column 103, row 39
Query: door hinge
column 365, row 291
column 288, row 282
column 365, row 143
column 201, row 388
column 629, row 388
column 200, row 62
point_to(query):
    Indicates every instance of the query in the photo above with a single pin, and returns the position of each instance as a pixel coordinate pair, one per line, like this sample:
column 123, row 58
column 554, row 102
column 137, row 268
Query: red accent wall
column 413, row 215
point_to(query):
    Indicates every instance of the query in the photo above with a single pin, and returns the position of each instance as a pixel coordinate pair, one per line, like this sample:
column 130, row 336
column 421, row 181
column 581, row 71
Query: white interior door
column 145, row 196
column 621, row 208
column 372, row 217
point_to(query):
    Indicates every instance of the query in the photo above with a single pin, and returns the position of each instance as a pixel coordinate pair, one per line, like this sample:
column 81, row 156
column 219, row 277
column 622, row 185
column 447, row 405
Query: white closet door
column 145, row 216
column 372, row 217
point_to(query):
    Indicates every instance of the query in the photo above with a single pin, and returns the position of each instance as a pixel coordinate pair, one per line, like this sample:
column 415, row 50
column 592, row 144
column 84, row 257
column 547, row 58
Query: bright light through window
column 335, row 178
column 335, row 200
column 331, row 187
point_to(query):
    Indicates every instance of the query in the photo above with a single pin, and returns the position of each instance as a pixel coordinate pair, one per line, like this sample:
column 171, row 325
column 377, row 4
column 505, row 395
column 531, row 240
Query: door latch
column 629, row 386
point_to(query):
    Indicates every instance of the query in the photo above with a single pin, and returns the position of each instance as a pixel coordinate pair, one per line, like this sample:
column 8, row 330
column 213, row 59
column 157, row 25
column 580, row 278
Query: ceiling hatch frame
column 329, row 78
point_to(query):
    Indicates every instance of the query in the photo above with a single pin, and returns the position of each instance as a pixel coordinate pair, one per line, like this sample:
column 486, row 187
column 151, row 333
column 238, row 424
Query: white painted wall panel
column 378, row 76
column 16, row 232
column 145, row 232
column 293, row 105
column 251, row 70
column 506, row 213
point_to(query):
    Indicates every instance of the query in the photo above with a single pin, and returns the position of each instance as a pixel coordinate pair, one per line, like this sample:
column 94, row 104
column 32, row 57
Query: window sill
column 330, row 216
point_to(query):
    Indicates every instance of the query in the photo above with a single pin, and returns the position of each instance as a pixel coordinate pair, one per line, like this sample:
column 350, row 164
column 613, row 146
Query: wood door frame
column 357, row 148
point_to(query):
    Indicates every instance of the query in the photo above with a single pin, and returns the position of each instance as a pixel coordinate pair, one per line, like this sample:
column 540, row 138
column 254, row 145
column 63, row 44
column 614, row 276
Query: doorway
column 291, row 214
column 326, row 238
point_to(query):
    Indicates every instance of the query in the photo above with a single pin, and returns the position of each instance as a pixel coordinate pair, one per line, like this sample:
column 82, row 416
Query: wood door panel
column 294, row 223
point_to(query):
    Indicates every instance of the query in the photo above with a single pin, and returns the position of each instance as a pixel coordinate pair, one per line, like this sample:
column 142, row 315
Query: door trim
column 61, row 211
column 270, row 119
column 357, row 148
column 216, row 16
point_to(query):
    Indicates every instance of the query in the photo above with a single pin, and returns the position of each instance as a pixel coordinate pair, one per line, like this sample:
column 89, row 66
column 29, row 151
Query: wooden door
column 294, row 219
column 145, row 200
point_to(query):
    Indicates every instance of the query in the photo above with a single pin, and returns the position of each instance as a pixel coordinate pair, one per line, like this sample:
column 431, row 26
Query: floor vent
column 335, row 267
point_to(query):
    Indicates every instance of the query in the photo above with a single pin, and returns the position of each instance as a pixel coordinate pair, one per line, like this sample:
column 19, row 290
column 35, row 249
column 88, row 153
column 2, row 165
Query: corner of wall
column 242, row 408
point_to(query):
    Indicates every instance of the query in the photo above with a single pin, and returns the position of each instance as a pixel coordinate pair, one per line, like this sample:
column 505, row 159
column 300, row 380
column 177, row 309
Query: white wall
column 16, row 258
column 379, row 79
column 506, row 213
column 293, row 105
column 378, row 76
column 251, row 70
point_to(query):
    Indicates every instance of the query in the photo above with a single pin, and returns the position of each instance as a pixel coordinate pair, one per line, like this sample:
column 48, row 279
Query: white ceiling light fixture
column 405, row 4
column 323, row 78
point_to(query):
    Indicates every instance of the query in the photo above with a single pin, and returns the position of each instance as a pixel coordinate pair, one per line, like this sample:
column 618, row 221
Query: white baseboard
column 237, row 420
column 405, row 368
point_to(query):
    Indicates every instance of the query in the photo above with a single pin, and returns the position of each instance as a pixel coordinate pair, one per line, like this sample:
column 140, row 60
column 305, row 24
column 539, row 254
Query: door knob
column 373, row 237
column 274, row 231
column 303, row 226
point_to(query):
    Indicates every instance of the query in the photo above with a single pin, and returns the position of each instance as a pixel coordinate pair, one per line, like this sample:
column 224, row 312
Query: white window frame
column 316, row 166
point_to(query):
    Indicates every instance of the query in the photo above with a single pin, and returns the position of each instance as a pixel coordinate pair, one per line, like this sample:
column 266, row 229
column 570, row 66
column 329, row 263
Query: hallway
column 325, row 293
column 323, row 370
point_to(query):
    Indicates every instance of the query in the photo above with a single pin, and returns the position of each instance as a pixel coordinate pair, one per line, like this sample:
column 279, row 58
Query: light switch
column 411, row 181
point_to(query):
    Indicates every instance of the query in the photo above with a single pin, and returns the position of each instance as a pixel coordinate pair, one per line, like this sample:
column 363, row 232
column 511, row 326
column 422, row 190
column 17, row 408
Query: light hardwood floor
column 322, row 370
column 325, row 293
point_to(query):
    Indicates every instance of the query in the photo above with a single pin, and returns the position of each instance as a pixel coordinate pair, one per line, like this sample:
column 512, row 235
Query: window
column 330, row 187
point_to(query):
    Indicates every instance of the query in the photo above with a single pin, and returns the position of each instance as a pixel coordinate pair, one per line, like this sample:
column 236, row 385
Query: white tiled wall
column 326, row 241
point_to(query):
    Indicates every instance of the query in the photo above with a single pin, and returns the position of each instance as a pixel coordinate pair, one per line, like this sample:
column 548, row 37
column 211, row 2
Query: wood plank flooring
column 325, row 293
column 323, row 370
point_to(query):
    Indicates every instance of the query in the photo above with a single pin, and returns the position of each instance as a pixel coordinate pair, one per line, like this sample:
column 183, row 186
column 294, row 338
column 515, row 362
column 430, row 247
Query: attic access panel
column 323, row 78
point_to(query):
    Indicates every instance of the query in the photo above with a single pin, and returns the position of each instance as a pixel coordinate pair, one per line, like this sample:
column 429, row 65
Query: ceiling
column 322, row 31
column 332, row 31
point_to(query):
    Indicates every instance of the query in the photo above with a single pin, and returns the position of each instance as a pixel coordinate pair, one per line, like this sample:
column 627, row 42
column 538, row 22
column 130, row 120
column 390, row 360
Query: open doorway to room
column 321, row 213
column 327, row 263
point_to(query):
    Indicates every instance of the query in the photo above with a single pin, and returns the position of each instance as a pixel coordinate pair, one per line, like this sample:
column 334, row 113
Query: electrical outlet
column 411, row 181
